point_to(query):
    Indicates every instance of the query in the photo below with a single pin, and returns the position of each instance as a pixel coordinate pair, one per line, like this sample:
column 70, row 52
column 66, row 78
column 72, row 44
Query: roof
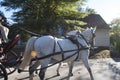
column 93, row 20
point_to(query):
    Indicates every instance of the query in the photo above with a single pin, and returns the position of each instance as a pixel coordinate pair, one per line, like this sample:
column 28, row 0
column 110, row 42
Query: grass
column 101, row 54
column 105, row 54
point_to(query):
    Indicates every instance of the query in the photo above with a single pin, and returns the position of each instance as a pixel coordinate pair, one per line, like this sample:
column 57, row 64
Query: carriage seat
column 11, row 43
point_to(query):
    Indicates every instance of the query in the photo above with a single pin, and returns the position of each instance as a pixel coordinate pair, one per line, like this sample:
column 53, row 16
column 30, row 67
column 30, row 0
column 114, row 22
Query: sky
column 8, row 14
column 108, row 9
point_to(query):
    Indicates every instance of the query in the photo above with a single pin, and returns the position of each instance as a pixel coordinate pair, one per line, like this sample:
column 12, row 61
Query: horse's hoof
column 71, row 74
column 36, row 72
column 19, row 70
column 58, row 74
column 41, row 78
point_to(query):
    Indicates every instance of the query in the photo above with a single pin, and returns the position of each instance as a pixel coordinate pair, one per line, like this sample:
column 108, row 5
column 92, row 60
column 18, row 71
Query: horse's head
column 89, row 35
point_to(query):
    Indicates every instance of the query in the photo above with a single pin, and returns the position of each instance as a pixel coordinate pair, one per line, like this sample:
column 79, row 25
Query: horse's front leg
column 84, row 57
column 70, row 64
column 58, row 74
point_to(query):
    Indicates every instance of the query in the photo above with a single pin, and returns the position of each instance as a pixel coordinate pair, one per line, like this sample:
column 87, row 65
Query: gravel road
column 103, row 69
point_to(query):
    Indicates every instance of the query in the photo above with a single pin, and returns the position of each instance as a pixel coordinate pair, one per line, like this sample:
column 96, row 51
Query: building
column 102, row 38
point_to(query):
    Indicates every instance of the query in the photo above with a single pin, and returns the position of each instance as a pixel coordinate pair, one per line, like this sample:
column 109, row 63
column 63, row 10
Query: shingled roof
column 93, row 20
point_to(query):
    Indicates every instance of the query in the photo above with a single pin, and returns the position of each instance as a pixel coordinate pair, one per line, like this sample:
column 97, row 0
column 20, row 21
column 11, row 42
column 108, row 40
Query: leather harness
column 79, row 46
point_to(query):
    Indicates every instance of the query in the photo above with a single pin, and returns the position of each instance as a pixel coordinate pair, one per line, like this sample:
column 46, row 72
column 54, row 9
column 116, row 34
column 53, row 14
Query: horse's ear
column 91, row 27
column 94, row 29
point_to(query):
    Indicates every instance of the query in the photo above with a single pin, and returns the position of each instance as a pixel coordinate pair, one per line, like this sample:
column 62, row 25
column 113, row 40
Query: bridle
column 92, row 40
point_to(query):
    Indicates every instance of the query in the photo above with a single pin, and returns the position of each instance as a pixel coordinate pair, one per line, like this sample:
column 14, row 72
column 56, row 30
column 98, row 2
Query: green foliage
column 101, row 54
column 45, row 15
column 2, row 15
column 115, row 34
column 91, row 11
column 14, row 30
column 5, row 23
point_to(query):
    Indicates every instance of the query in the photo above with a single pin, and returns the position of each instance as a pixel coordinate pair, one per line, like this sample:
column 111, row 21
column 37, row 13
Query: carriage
column 9, row 59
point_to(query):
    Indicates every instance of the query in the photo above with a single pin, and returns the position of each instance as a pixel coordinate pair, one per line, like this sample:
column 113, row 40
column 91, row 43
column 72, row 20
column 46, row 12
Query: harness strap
column 62, row 52
column 78, row 51
column 56, row 53
column 84, row 38
column 59, row 61
column 78, row 46
column 75, row 42
column 54, row 45
column 34, row 59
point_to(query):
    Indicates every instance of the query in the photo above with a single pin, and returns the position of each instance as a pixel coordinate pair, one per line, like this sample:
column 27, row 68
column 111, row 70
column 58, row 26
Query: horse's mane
column 73, row 33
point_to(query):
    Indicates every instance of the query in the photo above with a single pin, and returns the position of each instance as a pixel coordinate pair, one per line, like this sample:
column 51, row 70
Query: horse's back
column 44, row 44
column 65, row 44
column 45, row 40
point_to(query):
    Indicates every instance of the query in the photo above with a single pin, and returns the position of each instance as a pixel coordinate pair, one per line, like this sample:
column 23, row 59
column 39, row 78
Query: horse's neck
column 86, row 36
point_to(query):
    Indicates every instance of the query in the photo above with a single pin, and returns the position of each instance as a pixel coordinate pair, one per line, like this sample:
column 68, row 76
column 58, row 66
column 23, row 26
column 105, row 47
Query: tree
column 46, row 15
column 115, row 34
column 91, row 11
column 5, row 23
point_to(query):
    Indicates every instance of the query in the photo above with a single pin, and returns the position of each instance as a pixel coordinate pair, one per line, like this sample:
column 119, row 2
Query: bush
column 101, row 54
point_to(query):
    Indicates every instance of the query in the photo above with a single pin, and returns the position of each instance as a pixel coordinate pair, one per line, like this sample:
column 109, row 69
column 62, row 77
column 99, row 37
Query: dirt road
column 103, row 69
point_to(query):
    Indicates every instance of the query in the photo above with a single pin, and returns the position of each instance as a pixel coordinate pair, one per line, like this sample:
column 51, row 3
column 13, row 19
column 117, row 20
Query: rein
column 53, row 54
column 56, row 53
column 63, row 59
column 60, row 60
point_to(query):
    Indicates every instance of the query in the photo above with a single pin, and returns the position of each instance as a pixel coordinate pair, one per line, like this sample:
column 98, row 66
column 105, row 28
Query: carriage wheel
column 3, row 73
column 10, row 70
column 15, row 61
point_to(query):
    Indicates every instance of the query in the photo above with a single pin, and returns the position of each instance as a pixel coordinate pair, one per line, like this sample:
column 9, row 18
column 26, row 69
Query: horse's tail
column 27, row 54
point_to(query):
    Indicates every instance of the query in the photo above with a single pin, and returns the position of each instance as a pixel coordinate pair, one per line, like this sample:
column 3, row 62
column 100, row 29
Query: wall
column 102, row 38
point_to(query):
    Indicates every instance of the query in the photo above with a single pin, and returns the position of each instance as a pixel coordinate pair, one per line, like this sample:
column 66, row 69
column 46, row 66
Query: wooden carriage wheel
column 12, row 58
column 3, row 73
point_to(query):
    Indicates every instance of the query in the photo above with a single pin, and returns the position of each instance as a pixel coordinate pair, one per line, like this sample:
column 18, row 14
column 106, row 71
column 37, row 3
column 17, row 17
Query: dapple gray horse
column 44, row 46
